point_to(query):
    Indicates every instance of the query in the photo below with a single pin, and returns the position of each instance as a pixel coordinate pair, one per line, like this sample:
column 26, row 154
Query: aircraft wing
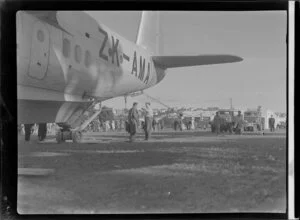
column 49, row 17
column 183, row 61
column 72, row 22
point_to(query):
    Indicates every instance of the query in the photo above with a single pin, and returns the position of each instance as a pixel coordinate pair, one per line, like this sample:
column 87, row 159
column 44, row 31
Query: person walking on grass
column 133, row 120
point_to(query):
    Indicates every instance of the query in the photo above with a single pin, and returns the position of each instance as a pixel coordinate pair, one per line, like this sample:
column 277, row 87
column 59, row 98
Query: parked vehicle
column 254, row 120
column 281, row 125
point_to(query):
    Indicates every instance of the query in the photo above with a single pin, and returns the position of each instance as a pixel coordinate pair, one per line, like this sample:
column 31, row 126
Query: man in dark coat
column 133, row 120
column 217, row 123
column 272, row 123
column 175, row 125
column 42, row 132
column 153, row 124
column 27, row 128
column 239, row 123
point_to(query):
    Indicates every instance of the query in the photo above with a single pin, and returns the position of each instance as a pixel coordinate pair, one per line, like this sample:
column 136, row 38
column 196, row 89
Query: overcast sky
column 257, row 37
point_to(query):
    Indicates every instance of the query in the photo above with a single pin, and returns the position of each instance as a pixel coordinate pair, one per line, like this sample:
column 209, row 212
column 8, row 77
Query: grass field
column 174, row 172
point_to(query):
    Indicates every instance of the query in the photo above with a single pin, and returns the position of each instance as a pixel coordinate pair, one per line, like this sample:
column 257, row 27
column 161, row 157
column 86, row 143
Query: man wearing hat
column 133, row 120
column 148, row 120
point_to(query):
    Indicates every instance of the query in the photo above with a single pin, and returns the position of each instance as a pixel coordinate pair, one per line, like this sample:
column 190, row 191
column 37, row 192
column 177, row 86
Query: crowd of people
column 236, row 125
column 149, row 123
column 133, row 122
column 109, row 125
column 44, row 129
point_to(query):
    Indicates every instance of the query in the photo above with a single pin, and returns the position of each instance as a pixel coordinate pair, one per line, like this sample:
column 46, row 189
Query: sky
column 259, row 37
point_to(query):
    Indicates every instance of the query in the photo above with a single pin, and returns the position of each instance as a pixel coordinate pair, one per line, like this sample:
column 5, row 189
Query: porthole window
column 87, row 58
column 77, row 53
column 40, row 35
column 66, row 47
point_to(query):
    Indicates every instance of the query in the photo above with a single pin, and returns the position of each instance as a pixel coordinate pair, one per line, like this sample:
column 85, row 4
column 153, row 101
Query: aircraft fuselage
column 74, row 63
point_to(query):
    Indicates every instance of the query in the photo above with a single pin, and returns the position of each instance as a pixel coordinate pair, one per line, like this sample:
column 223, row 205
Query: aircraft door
column 39, row 57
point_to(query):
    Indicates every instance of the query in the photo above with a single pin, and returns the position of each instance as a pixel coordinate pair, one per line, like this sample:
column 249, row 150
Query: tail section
column 166, row 62
column 149, row 33
column 150, row 37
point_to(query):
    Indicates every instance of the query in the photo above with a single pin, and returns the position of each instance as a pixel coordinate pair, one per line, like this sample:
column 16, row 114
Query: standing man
column 113, row 125
column 217, row 123
column 180, row 121
column 162, row 124
column 27, row 128
column 117, row 125
column 156, row 124
column 175, row 125
column 272, row 123
column 133, row 120
column 153, row 125
column 230, row 123
column 190, row 125
column 239, row 123
column 187, row 125
column 148, row 120
column 42, row 131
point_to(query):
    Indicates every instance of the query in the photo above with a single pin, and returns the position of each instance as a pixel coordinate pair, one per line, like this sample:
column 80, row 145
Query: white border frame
column 291, row 84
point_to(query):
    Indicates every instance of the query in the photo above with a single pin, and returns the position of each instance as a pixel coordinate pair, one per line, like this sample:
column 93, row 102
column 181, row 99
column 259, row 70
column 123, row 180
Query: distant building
column 213, row 108
column 173, row 115
column 280, row 115
column 209, row 113
column 120, row 112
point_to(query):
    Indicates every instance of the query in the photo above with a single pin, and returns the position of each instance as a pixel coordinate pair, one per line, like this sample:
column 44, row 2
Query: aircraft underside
column 37, row 105
column 40, row 111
